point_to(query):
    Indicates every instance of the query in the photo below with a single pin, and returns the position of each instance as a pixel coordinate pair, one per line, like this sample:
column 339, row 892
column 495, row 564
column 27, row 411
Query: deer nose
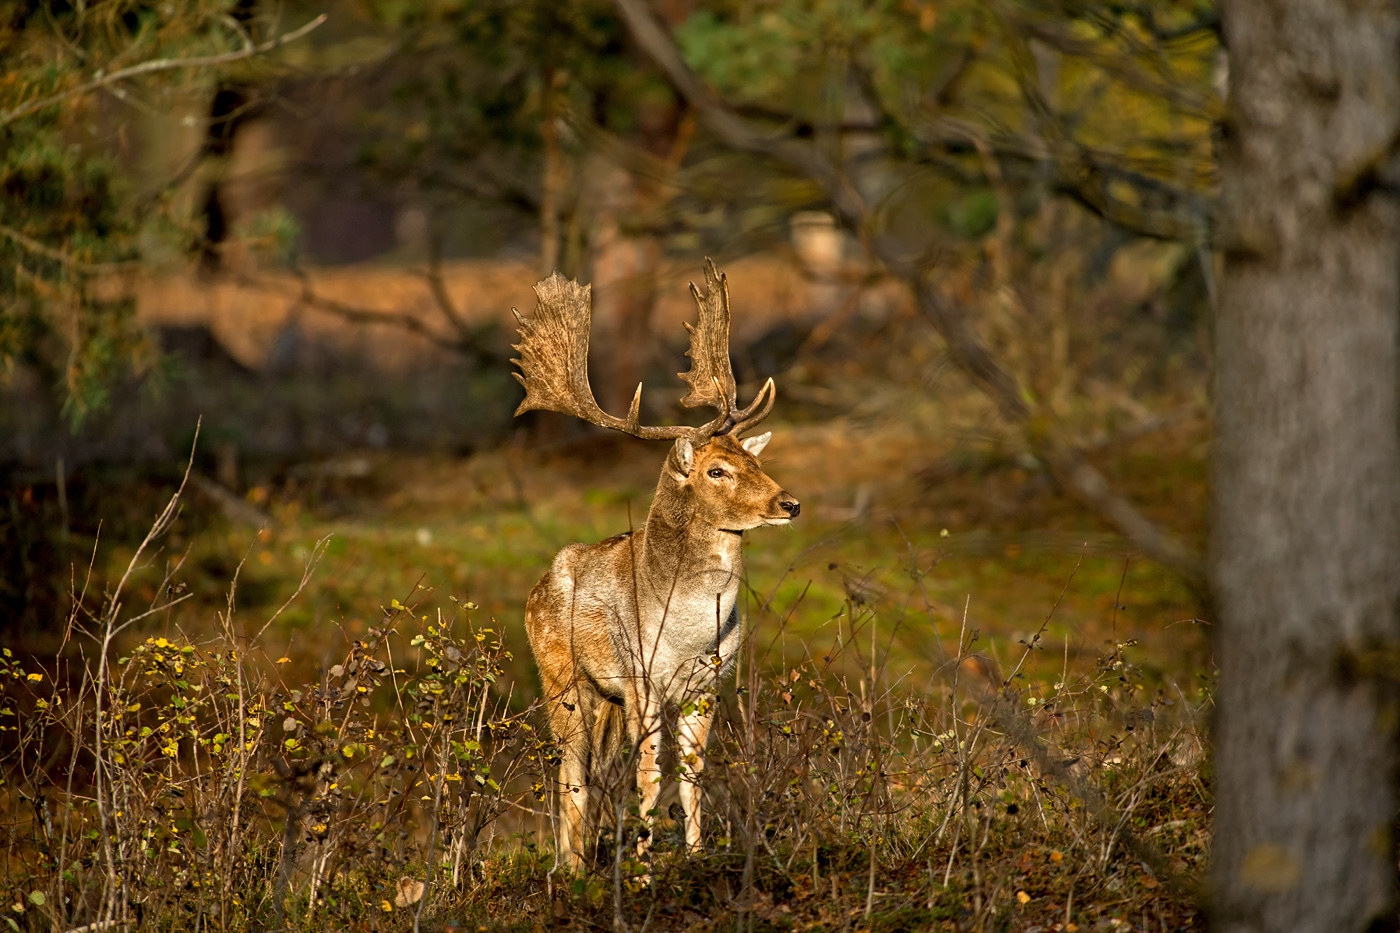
column 790, row 506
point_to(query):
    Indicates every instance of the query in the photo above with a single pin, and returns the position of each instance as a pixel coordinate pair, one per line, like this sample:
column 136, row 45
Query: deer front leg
column 692, row 734
column 569, row 723
column 645, row 729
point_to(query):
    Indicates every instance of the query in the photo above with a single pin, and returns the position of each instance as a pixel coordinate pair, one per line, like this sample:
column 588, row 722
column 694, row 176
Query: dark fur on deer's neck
column 676, row 543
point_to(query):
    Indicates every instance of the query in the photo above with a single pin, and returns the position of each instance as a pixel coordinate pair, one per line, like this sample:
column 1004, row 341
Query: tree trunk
column 624, row 265
column 555, row 173
column 1305, row 562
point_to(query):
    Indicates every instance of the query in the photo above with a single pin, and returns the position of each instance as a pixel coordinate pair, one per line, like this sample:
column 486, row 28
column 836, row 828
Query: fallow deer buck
column 645, row 624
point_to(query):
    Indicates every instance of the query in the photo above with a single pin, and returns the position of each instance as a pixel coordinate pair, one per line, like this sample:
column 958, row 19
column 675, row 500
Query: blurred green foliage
column 948, row 116
column 75, row 213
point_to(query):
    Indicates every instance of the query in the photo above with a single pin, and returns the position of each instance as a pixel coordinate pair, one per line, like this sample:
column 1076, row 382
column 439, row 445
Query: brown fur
column 643, row 625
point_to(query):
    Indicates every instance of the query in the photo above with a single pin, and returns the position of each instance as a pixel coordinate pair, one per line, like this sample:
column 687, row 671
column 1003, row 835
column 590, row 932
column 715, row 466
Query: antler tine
column 554, row 361
column 748, row 417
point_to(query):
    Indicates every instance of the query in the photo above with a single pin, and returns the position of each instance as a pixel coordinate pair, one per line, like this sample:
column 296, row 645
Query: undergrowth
column 179, row 782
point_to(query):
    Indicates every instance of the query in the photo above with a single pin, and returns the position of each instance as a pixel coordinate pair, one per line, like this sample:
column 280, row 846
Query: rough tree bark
column 1305, row 562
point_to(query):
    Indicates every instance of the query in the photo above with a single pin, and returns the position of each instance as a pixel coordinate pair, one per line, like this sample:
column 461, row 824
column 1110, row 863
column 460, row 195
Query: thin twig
column 965, row 347
column 157, row 65
column 57, row 255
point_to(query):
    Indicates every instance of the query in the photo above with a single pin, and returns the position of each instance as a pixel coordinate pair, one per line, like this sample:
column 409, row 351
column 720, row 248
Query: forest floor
column 1010, row 702
column 934, row 541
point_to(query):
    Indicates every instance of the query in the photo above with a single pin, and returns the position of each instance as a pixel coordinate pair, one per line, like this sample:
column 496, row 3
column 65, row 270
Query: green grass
column 486, row 528
column 898, row 775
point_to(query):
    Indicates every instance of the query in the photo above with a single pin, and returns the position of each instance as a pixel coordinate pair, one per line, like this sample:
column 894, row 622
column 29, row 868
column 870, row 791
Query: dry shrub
column 1046, row 799
column 183, row 783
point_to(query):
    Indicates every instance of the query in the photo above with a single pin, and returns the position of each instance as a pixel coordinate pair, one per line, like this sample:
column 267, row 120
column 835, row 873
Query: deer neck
column 680, row 547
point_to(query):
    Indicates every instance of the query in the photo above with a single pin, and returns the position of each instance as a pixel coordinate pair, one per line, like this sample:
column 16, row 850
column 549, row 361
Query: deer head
column 554, row 364
column 722, row 485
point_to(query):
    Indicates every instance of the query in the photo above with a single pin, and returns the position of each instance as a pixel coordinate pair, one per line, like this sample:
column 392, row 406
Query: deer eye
column 716, row 473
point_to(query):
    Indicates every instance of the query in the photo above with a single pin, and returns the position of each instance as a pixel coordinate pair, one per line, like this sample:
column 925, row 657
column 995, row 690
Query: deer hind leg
column 608, row 776
column 692, row 734
column 571, row 718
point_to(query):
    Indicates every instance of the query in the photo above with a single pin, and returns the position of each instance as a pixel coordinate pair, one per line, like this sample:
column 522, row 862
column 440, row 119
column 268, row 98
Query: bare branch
column 157, row 65
column 966, row 349
column 467, row 341
column 353, row 313
column 434, row 278
column 729, row 126
column 57, row 255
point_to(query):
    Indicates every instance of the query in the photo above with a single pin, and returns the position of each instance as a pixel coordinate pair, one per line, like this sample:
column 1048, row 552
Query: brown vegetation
column 183, row 782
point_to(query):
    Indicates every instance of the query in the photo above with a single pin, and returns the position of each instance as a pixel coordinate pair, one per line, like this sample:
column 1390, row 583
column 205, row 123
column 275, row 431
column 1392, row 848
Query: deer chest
column 696, row 638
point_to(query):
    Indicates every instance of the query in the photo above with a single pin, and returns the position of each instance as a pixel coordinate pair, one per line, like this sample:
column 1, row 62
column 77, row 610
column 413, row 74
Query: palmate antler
column 554, row 363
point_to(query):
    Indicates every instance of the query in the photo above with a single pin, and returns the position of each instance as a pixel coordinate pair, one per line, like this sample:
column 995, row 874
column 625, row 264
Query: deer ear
column 755, row 444
column 685, row 456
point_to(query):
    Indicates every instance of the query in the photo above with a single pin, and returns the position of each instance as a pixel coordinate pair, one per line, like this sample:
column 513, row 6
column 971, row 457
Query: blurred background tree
column 76, row 207
column 983, row 117
column 81, row 211
column 1014, row 196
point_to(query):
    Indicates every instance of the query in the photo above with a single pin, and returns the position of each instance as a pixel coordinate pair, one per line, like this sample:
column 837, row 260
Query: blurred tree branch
column 157, row 65
column 62, row 257
column 465, row 339
column 966, row 349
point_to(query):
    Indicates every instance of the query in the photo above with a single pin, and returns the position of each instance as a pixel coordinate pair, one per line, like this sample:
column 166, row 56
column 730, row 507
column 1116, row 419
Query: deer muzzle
column 789, row 505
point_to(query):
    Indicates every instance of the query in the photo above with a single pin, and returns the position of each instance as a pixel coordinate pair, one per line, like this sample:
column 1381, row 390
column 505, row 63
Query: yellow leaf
column 1023, row 897
column 35, row 678
column 283, row 660
column 1057, row 856
column 386, row 906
